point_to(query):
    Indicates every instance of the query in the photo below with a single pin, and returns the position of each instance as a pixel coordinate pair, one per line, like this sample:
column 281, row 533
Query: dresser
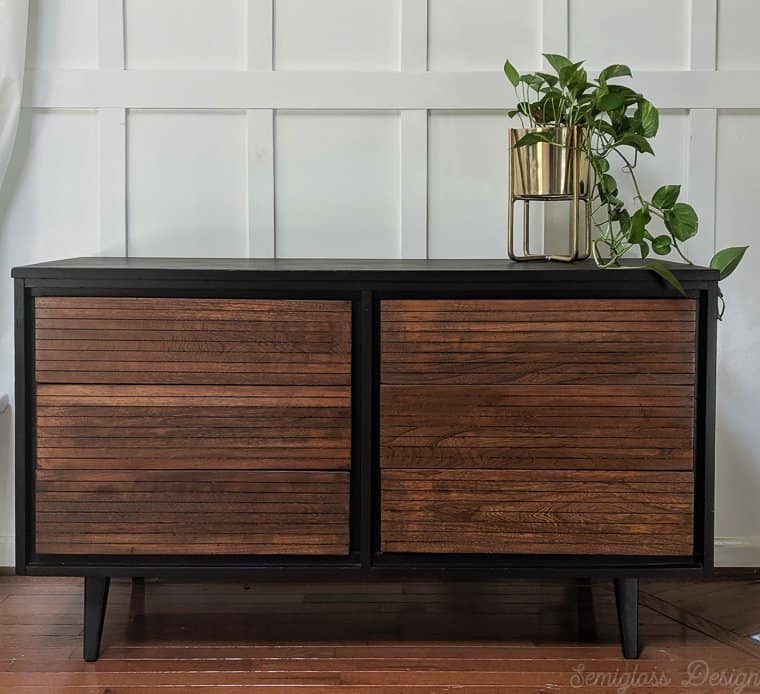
column 326, row 419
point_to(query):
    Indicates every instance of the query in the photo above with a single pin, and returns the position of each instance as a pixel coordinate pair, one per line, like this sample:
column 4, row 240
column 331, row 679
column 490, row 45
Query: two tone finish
column 362, row 418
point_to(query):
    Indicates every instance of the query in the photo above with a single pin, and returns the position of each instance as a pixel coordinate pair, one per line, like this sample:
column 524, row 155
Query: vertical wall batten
column 260, row 143
column 113, row 136
column 555, row 26
column 260, row 138
column 555, row 38
column 703, row 131
column 414, row 135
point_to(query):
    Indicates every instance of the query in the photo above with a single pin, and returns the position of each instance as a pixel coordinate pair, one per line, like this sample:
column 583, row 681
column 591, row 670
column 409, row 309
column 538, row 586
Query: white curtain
column 13, row 19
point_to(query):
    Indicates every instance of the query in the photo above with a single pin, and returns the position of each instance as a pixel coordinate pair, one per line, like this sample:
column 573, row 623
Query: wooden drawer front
column 192, row 341
column 152, row 466
column 105, row 511
column 537, row 512
column 192, row 426
column 533, row 424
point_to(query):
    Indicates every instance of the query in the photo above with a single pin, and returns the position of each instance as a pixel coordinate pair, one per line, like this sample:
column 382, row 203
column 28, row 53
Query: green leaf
column 557, row 61
column 605, row 127
column 661, row 245
column 551, row 80
column 602, row 165
column 612, row 71
column 512, row 75
column 611, row 101
column 727, row 260
column 610, row 184
column 639, row 221
column 533, row 81
column 635, row 235
column 631, row 96
column 524, row 108
column 681, row 221
column 666, row 197
column 644, row 249
column 637, row 142
column 533, row 138
column 624, row 220
column 649, row 117
column 659, row 268
column 570, row 74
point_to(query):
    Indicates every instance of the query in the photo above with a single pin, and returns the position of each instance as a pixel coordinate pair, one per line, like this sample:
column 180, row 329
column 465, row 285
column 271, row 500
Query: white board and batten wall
column 367, row 128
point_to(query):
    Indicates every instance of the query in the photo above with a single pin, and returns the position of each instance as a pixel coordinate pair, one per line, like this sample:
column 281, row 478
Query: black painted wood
column 341, row 269
column 95, row 602
column 627, row 599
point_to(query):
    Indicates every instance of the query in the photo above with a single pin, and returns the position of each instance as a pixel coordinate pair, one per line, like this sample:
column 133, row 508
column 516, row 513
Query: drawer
column 539, row 342
column 192, row 469
column 192, row 341
column 599, row 384
column 209, row 427
column 538, row 426
column 537, row 512
column 112, row 511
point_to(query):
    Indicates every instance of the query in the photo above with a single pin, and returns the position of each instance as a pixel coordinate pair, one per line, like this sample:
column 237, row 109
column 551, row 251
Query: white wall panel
column 738, row 23
column 48, row 209
column 738, row 460
column 62, row 34
column 187, row 183
column 50, row 197
column 189, row 34
column 645, row 34
column 467, row 184
column 337, row 184
column 481, row 34
column 337, row 34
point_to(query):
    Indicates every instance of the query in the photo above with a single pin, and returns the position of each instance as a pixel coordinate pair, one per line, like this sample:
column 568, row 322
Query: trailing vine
column 615, row 123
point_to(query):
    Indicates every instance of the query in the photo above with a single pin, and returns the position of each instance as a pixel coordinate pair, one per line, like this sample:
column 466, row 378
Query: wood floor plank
column 381, row 638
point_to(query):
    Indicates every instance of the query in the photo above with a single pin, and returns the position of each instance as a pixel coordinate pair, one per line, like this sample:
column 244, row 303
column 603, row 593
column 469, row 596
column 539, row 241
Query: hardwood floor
column 378, row 638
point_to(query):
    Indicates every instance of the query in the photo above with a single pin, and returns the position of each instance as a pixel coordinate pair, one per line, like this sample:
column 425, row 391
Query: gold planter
column 547, row 172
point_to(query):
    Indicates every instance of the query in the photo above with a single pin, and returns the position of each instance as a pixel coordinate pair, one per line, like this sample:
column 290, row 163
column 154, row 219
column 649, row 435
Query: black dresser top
column 239, row 269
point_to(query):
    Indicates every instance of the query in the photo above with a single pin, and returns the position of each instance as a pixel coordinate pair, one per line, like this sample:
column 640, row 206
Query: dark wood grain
column 192, row 341
column 464, row 511
column 562, row 341
column 192, row 426
column 82, row 511
column 538, row 426
column 216, row 427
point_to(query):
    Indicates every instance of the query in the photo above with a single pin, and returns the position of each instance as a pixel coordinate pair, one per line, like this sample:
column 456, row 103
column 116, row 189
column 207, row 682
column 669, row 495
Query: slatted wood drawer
column 538, row 426
column 192, row 341
column 192, row 426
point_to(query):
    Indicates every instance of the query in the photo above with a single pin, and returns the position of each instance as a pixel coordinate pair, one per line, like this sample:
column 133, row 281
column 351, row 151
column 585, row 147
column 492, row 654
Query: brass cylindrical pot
column 548, row 169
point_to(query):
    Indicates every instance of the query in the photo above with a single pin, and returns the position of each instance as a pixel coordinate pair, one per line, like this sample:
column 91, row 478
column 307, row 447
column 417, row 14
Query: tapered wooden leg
column 627, row 598
column 95, row 600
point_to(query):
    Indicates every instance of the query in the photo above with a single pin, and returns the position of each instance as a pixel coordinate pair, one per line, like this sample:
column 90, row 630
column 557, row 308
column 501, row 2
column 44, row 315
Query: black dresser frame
column 366, row 284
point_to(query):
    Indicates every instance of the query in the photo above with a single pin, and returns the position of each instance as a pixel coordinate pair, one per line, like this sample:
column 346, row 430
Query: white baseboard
column 737, row 551
column 7, row 551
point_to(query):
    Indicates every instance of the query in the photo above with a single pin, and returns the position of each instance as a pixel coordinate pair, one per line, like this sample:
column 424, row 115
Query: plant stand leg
column 95, row 600
column 627, row 598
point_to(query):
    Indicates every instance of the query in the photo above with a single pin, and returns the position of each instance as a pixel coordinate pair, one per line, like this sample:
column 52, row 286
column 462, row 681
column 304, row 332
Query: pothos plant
column 615, row 124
